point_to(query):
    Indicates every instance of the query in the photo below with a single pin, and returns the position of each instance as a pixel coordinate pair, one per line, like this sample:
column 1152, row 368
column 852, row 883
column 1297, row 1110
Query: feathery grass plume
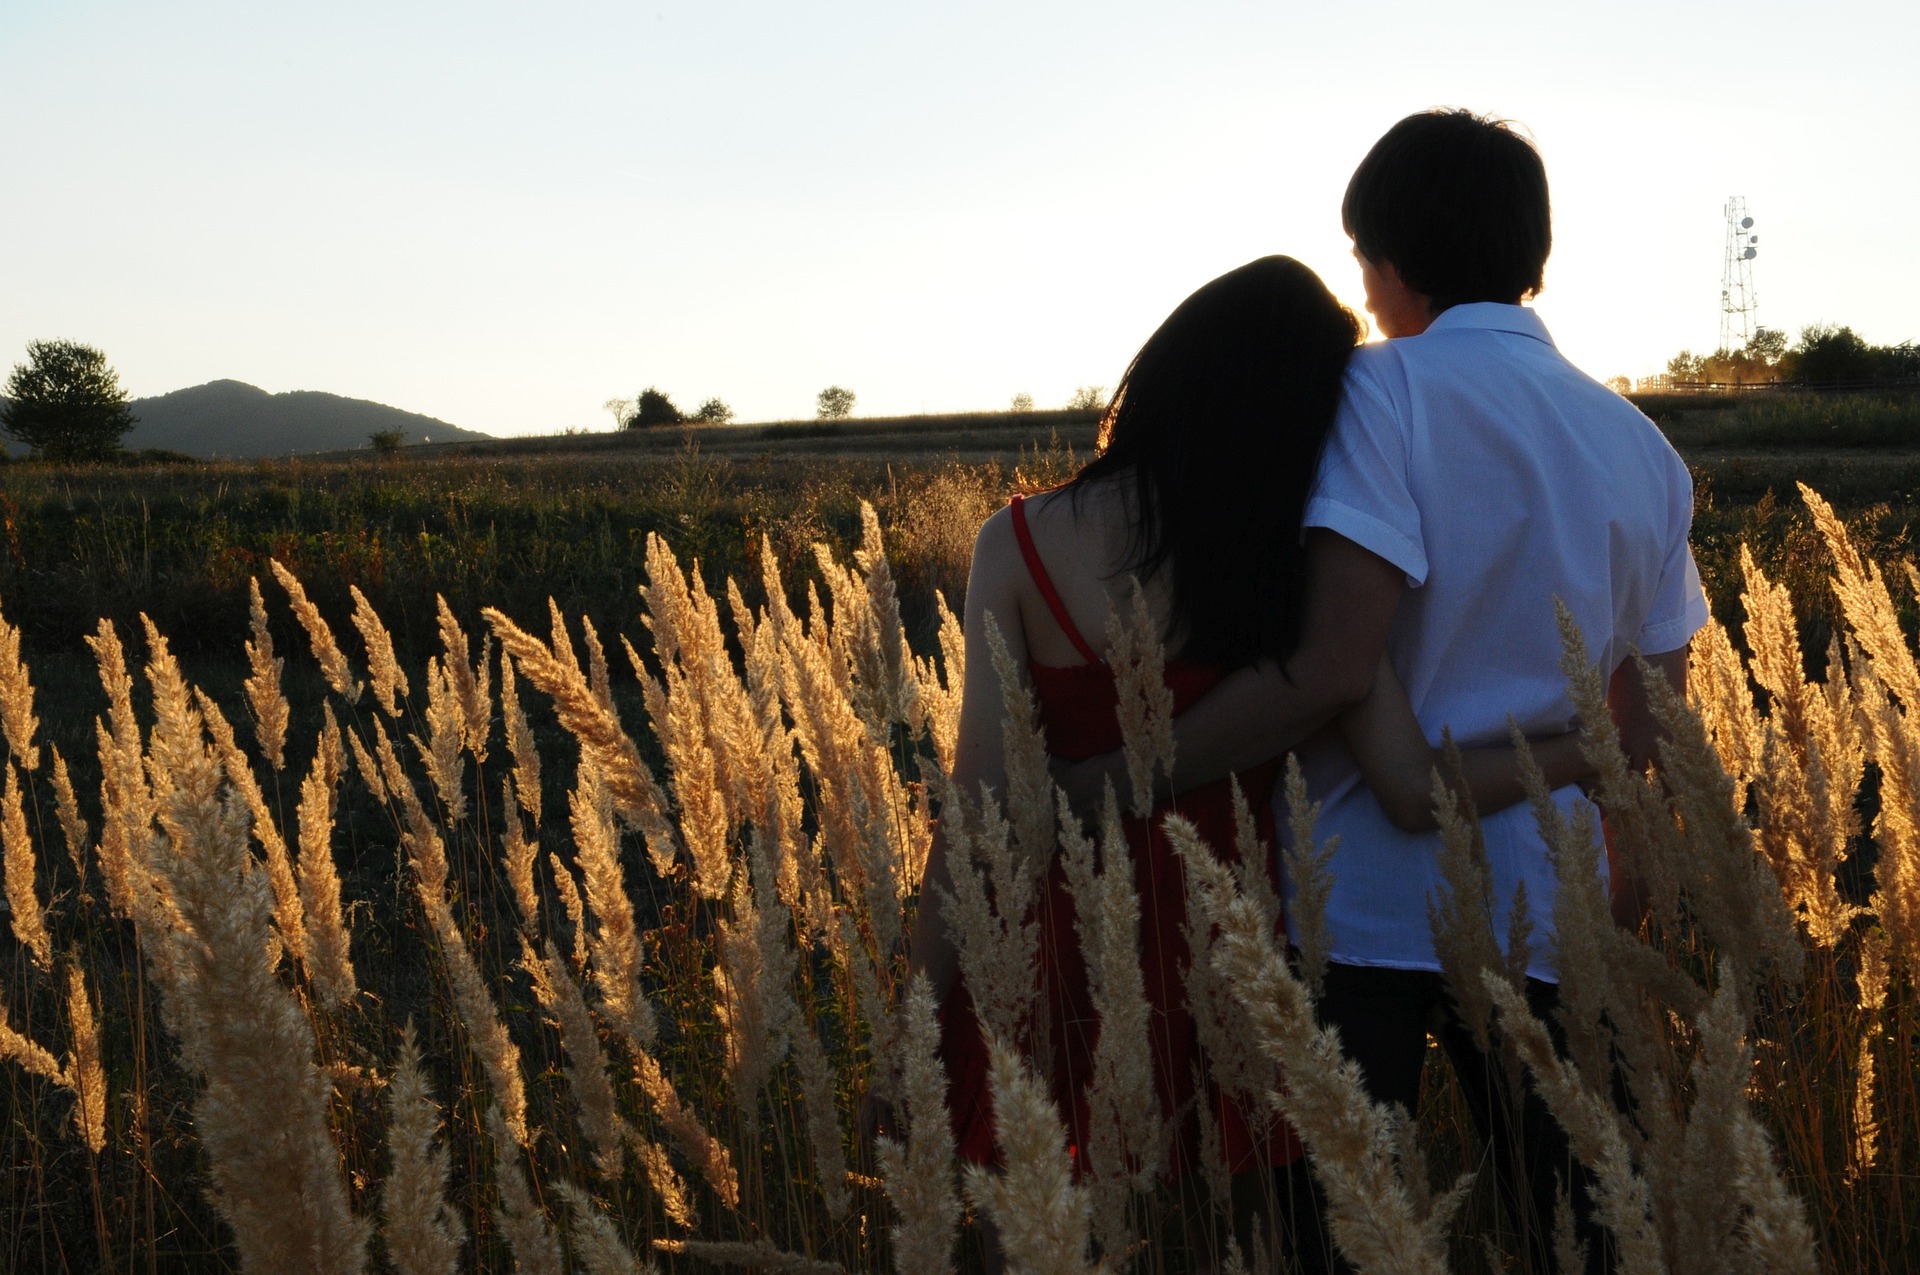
column 445, row 735
column 1460, row 913
column 423, row 1232
column 745, row 999
column 598, row 679
column 1030, row 788
column 1309, row 867
column 990, row 913
column 613, row 945
column 73, row 826
column 889, row 636
column 1126, row 1140
column 705, row 822
column 518, row 853
column 327, row 953
column 706, row 1152
column 264, row 696
column 427, row 853
column 84, row 1074
column 369, row 769
column 819, row 1098
column 471, row 683
column 755, row 1255
column 919, row 1174
column 559, row 995
column 776, row 804
column 1866, row 1127
column 526, row 755
column 16, row 1047
column 205, row 913
column 1039, row 1210
column 1139, row 662
column 940, row 684
column 1717, row 686
column 535, row 1249
column 606, row 747
column 597, row 1245
column 333, row 663
column 568, row 888
column 666, row 1182
column 1867, row 604
column 388, row 678
column 29, row 921
column 1378, row 1222
column 126, row 802
column 851, row 636
column 288, row 916
column 1896, row 825
column 17, row 721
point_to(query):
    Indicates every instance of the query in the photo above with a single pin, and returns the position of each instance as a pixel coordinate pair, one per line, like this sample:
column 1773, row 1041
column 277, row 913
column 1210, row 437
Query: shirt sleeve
column 1362, row 490
column 1679, row 603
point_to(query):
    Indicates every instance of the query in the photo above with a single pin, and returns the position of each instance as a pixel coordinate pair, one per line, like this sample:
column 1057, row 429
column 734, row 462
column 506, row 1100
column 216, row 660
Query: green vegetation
column 1824, row 355
column 66, row 403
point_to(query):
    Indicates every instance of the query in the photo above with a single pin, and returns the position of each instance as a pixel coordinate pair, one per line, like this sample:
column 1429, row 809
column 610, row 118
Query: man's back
column 1497, row 477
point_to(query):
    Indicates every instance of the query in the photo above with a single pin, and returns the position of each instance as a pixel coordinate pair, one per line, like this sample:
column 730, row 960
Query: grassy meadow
column 401, row 916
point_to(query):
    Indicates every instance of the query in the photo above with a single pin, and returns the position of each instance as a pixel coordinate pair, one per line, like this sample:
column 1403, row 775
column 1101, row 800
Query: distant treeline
column 1824, row 355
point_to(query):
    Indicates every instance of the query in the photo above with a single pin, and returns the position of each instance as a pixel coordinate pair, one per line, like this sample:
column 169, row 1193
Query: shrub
column 836, row 403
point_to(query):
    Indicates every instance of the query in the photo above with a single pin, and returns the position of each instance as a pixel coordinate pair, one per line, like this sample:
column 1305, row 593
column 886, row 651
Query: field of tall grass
column 442, row 929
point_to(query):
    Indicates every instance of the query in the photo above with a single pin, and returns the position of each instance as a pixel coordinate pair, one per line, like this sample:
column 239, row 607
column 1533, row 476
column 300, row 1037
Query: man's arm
column 1259, row 712
column 1640, row 733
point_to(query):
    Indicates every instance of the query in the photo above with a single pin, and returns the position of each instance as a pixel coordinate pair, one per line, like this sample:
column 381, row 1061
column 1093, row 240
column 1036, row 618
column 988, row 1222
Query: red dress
column 1078, row 711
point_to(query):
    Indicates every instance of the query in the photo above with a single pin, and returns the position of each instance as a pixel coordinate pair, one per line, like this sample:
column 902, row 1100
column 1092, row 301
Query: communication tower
column 1739, row 307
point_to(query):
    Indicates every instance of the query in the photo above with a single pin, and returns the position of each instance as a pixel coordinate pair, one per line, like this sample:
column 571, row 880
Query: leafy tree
column 713, row 412
column 836, row 403
column 1767, row 345
column 1088, row 398
column 66, row 403
column 1620, row 384
column 386, row 442
column 622, row 410
column 1023, row 402
column 653, row 407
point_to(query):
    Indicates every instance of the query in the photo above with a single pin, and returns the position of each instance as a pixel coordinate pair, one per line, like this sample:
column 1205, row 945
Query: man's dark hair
column 1457, row 203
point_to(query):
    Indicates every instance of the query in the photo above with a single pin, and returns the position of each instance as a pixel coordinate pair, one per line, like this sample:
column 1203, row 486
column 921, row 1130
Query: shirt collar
column 1491, row 316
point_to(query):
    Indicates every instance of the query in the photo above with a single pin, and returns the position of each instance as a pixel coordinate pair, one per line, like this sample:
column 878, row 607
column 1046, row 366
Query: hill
column 234, row 419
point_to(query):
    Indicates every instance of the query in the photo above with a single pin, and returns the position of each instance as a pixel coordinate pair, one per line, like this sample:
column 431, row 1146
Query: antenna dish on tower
column 1739, row 307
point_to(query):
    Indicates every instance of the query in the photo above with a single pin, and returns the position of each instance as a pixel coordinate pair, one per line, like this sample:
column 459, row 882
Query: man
column 1473, row 477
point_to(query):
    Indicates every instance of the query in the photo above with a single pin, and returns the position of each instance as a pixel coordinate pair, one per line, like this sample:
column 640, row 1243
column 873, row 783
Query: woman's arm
column 1398, row 763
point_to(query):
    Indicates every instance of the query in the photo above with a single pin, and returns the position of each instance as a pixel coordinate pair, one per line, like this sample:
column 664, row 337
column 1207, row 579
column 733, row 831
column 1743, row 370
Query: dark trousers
column 1384, row 1017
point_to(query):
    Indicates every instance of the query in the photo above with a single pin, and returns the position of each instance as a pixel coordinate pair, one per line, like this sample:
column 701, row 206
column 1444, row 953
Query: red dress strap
column 1038, row 570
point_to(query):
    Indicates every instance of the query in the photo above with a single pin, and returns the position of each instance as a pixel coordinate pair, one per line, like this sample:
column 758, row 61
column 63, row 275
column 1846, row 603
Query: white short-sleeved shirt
column 1498, row 477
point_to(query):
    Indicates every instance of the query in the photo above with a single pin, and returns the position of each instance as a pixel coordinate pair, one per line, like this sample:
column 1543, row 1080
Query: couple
column 1350, row 549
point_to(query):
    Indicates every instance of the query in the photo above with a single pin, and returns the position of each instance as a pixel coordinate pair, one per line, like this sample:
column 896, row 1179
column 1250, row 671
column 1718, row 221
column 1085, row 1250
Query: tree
column 713, row 412
column 1088, row 398
column 621, row 409
column 1767, row 345
column 836, row 403
column 66, row 403
column 651, row 408
column 387, row 442
column 1023, row 402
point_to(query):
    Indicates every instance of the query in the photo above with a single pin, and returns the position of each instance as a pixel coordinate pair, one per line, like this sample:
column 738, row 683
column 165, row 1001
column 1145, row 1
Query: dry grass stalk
column 422, row 1231
column 264, row 696
column 15, row 1047
column 205, row 918
column 327, row 952
column 597, row 1245
column 1138, row 659
column 705, row 822
column 919, row 1174
column 1866, row 1126
column 598, row 679
column 526, row 755
column 288, row 915
column 990, row 914
column 748, row 994
column 471, row 682
column 894, row 671
column 1029, row 796
column 17, row 720
column 1717, row 686
column 1378, row 1222
column 755, row 1255
column 126, row 802
column 568, row 888
column 446, row 736
column 1867, row 604
column 517, row 853
column 1040, row 1212
column 388, row 678
column 333, row 663
column 819, row 1098
column 1309, row 866
column 940, row 684
column 613, row 946
column 28, row 919
column 707, row 1152
column 666, row 1182
column 427, row 854
column 73, row 826
column 1896, row 826
column 606, row 746
column 84, row 1074
column 535, row 1249
column 559, row 995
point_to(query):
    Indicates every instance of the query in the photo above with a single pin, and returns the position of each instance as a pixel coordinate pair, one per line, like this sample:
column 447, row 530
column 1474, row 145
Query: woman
column 1206, row 458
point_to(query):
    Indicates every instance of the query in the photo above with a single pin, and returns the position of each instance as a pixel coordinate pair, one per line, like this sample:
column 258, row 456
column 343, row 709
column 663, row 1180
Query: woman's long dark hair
column 1219, row 423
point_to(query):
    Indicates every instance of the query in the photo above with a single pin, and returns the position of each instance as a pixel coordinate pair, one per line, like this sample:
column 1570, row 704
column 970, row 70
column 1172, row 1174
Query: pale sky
column 504, row 214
